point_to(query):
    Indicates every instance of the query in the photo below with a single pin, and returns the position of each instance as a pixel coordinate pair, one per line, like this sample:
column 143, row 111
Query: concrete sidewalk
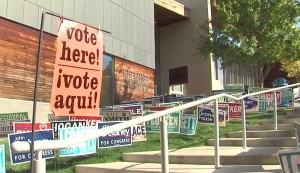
column 206, row 156
column 135, row 167
column 194, row 160
column 228, row 151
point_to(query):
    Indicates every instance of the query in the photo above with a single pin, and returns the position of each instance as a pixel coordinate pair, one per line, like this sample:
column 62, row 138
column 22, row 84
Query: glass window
column 107, row 89
column 220, row 71
column 178, row 75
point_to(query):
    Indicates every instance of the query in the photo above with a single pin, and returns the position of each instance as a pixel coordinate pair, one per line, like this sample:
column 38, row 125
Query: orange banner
column 77, row 75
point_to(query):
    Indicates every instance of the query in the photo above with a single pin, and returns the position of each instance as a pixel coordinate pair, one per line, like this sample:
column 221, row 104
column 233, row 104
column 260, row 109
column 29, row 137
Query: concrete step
column 280, row 121
column 263, row 133
column 293, row 116
column 258, row 142
column 136, row 167
column 205, row 156
column 293, row 112
column 281, row 113
column 288, row 126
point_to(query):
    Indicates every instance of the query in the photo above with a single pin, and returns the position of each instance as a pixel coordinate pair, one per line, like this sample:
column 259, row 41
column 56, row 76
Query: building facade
column 149, row 49
column 176, row 61
column 129, row 52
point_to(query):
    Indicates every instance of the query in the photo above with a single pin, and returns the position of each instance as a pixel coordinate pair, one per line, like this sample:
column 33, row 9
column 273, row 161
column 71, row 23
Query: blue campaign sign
column 115, row 139
column 2, row 159
column 251, row 103
column 206, row 115
column 18, row 158
column 84, row 148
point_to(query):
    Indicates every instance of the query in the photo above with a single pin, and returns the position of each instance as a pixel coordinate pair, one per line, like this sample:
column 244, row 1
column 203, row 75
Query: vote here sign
column 78, row 70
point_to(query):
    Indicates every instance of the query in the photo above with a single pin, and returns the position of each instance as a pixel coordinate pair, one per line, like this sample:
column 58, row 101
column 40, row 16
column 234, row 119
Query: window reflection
column 107, row 88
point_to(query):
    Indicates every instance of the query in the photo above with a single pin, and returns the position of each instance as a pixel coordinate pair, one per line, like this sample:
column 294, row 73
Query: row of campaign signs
column 66, row 127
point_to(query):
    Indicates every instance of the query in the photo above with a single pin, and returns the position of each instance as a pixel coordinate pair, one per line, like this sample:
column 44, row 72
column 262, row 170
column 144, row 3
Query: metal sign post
column 217, row 143
column 244, row 124
column 275, row 110
column 37, row 73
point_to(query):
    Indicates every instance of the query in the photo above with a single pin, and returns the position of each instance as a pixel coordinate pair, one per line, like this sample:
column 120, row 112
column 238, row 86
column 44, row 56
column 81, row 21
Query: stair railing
column 40, row 163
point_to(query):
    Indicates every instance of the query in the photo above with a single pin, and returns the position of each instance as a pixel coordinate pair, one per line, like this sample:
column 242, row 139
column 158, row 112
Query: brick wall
column 18, row 52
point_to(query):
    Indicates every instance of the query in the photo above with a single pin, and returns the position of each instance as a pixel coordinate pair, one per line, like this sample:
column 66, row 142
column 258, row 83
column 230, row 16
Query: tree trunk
column 263, row 73
column 261, row 79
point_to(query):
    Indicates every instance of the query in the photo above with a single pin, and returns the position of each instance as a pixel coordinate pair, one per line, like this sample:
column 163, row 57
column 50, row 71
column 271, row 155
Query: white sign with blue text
column 84, row 148
column 40, row 135
column 115, row 139
column 2, row 159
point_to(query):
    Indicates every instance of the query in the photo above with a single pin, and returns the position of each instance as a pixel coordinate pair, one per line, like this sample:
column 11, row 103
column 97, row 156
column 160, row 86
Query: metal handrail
column 23, row 146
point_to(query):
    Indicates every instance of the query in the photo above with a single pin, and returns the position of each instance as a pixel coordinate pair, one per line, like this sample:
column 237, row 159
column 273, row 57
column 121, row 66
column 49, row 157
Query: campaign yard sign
column 155, row 99
column 52, row 117
column 111, row 115
column 56, row 125
column 186, row 99
column 2, row 159
column 257, row 89
column 251, row 103
column 234, row 110
column 84, row 148
column 138, row 131
column 7, row 119
column 206, row 115
column 221, row 107
column 158, row 108
column 171, row 104
column 170, row 98
column 287, row 94
column 78, row 68
column 234, row 88
column 269, row 96
column 199, row 97
column 173, row 123
column 18, row 158
column 188, row 124
column 147, row 103
column 27, row 126
column 90, row 120
column 116, row 139
column 130, row 102
column 263, row 105
column 19, row 116
column 135, row 109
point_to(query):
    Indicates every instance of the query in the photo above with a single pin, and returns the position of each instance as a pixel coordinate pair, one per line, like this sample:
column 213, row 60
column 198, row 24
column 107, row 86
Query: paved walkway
column 131, row 166
column 153, row 168
column 228, row 151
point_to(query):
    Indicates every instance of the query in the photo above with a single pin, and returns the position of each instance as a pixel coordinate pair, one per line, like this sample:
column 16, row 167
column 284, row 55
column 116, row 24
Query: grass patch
column 176, row 141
